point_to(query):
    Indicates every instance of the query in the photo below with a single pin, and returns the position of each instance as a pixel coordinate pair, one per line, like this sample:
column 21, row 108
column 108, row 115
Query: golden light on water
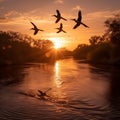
column 57, row 75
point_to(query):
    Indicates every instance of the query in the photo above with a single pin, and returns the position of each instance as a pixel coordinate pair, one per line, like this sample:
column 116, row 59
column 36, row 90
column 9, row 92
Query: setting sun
column 57, row 45
column 58, row 42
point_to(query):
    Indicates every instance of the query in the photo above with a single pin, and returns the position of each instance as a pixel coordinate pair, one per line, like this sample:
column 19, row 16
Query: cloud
column 103, row 14
column 96, row 20
column 8, row 16
column 59, row 1
column 14, row 17
column 77, row 7
column 11, row 18
column 12, row 14
column 3, row 19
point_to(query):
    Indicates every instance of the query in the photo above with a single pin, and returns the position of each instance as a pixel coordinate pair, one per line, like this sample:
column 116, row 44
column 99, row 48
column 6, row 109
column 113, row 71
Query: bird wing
column 58, row 19
column 84, row 25
column 48, row 90
column 36, row 31
column 41, row 92
column 41, row 30
column 58, row 31
column 58, row 13
column 74, row 20
column 63, row 18
column 76, row 25
column 64, row 31
column 61, row 25
column 33, row 25
column 79, row 15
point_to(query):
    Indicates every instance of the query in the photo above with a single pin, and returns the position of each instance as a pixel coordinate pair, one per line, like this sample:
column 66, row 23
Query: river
column 76, row 91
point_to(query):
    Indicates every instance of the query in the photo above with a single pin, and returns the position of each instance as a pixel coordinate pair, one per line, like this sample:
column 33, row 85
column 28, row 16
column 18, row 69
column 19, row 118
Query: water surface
column 78, row 91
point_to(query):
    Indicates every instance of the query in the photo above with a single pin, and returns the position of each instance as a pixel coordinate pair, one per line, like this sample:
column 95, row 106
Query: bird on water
column 43, row 94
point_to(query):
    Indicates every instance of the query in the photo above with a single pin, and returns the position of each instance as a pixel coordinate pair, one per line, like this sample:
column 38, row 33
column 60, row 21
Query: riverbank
column 99, row 63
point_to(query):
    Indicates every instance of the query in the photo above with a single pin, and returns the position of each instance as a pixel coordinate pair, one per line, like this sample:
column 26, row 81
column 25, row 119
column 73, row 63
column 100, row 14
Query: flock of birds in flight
column 78, row 22
column 58, row 16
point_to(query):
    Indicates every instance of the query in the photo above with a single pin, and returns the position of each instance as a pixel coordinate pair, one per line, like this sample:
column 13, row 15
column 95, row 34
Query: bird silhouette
column 60, row 29
column 58, row 16
column 35, row 28
column 43, row 95
column 79, row 21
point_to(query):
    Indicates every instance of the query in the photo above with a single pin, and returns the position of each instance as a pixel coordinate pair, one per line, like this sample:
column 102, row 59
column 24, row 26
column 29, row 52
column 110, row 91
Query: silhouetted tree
column 94, row 40
column 113, row 35
column 16, row 48
column 99, row 53
column 81, row 51
column 113, row 30
column 103, row 49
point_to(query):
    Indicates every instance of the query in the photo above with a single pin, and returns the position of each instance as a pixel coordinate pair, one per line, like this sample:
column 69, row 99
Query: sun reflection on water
column 57, row 75
column 58, row 82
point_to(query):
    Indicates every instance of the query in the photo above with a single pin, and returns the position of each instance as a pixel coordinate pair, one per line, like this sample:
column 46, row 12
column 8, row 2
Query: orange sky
column 16, row 15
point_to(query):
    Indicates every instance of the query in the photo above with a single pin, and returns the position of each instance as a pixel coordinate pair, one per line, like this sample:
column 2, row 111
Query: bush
column 16, row 48
column 100, row 54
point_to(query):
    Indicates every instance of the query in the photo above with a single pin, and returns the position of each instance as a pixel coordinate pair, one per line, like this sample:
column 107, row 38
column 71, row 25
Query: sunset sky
column 15, row 15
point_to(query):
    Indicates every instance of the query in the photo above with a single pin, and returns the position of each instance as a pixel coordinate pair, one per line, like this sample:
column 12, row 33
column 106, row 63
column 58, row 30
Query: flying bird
column 35, row 28
column 58, row 16
column 60, row 29
column 79, row 21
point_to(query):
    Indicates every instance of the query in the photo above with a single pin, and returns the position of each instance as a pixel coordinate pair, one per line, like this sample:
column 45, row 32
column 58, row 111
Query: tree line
column 103, row 49
column 16, row 48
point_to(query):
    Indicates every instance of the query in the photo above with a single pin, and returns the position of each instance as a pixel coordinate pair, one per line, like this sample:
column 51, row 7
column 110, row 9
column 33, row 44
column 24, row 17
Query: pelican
column 60, row 29
column 58, row 16
column 79, row 21
column 35, row 28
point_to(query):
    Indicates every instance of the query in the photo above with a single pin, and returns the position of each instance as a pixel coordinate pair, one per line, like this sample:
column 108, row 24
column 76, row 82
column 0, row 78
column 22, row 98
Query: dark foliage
column 103, row 49
column 16, row 48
